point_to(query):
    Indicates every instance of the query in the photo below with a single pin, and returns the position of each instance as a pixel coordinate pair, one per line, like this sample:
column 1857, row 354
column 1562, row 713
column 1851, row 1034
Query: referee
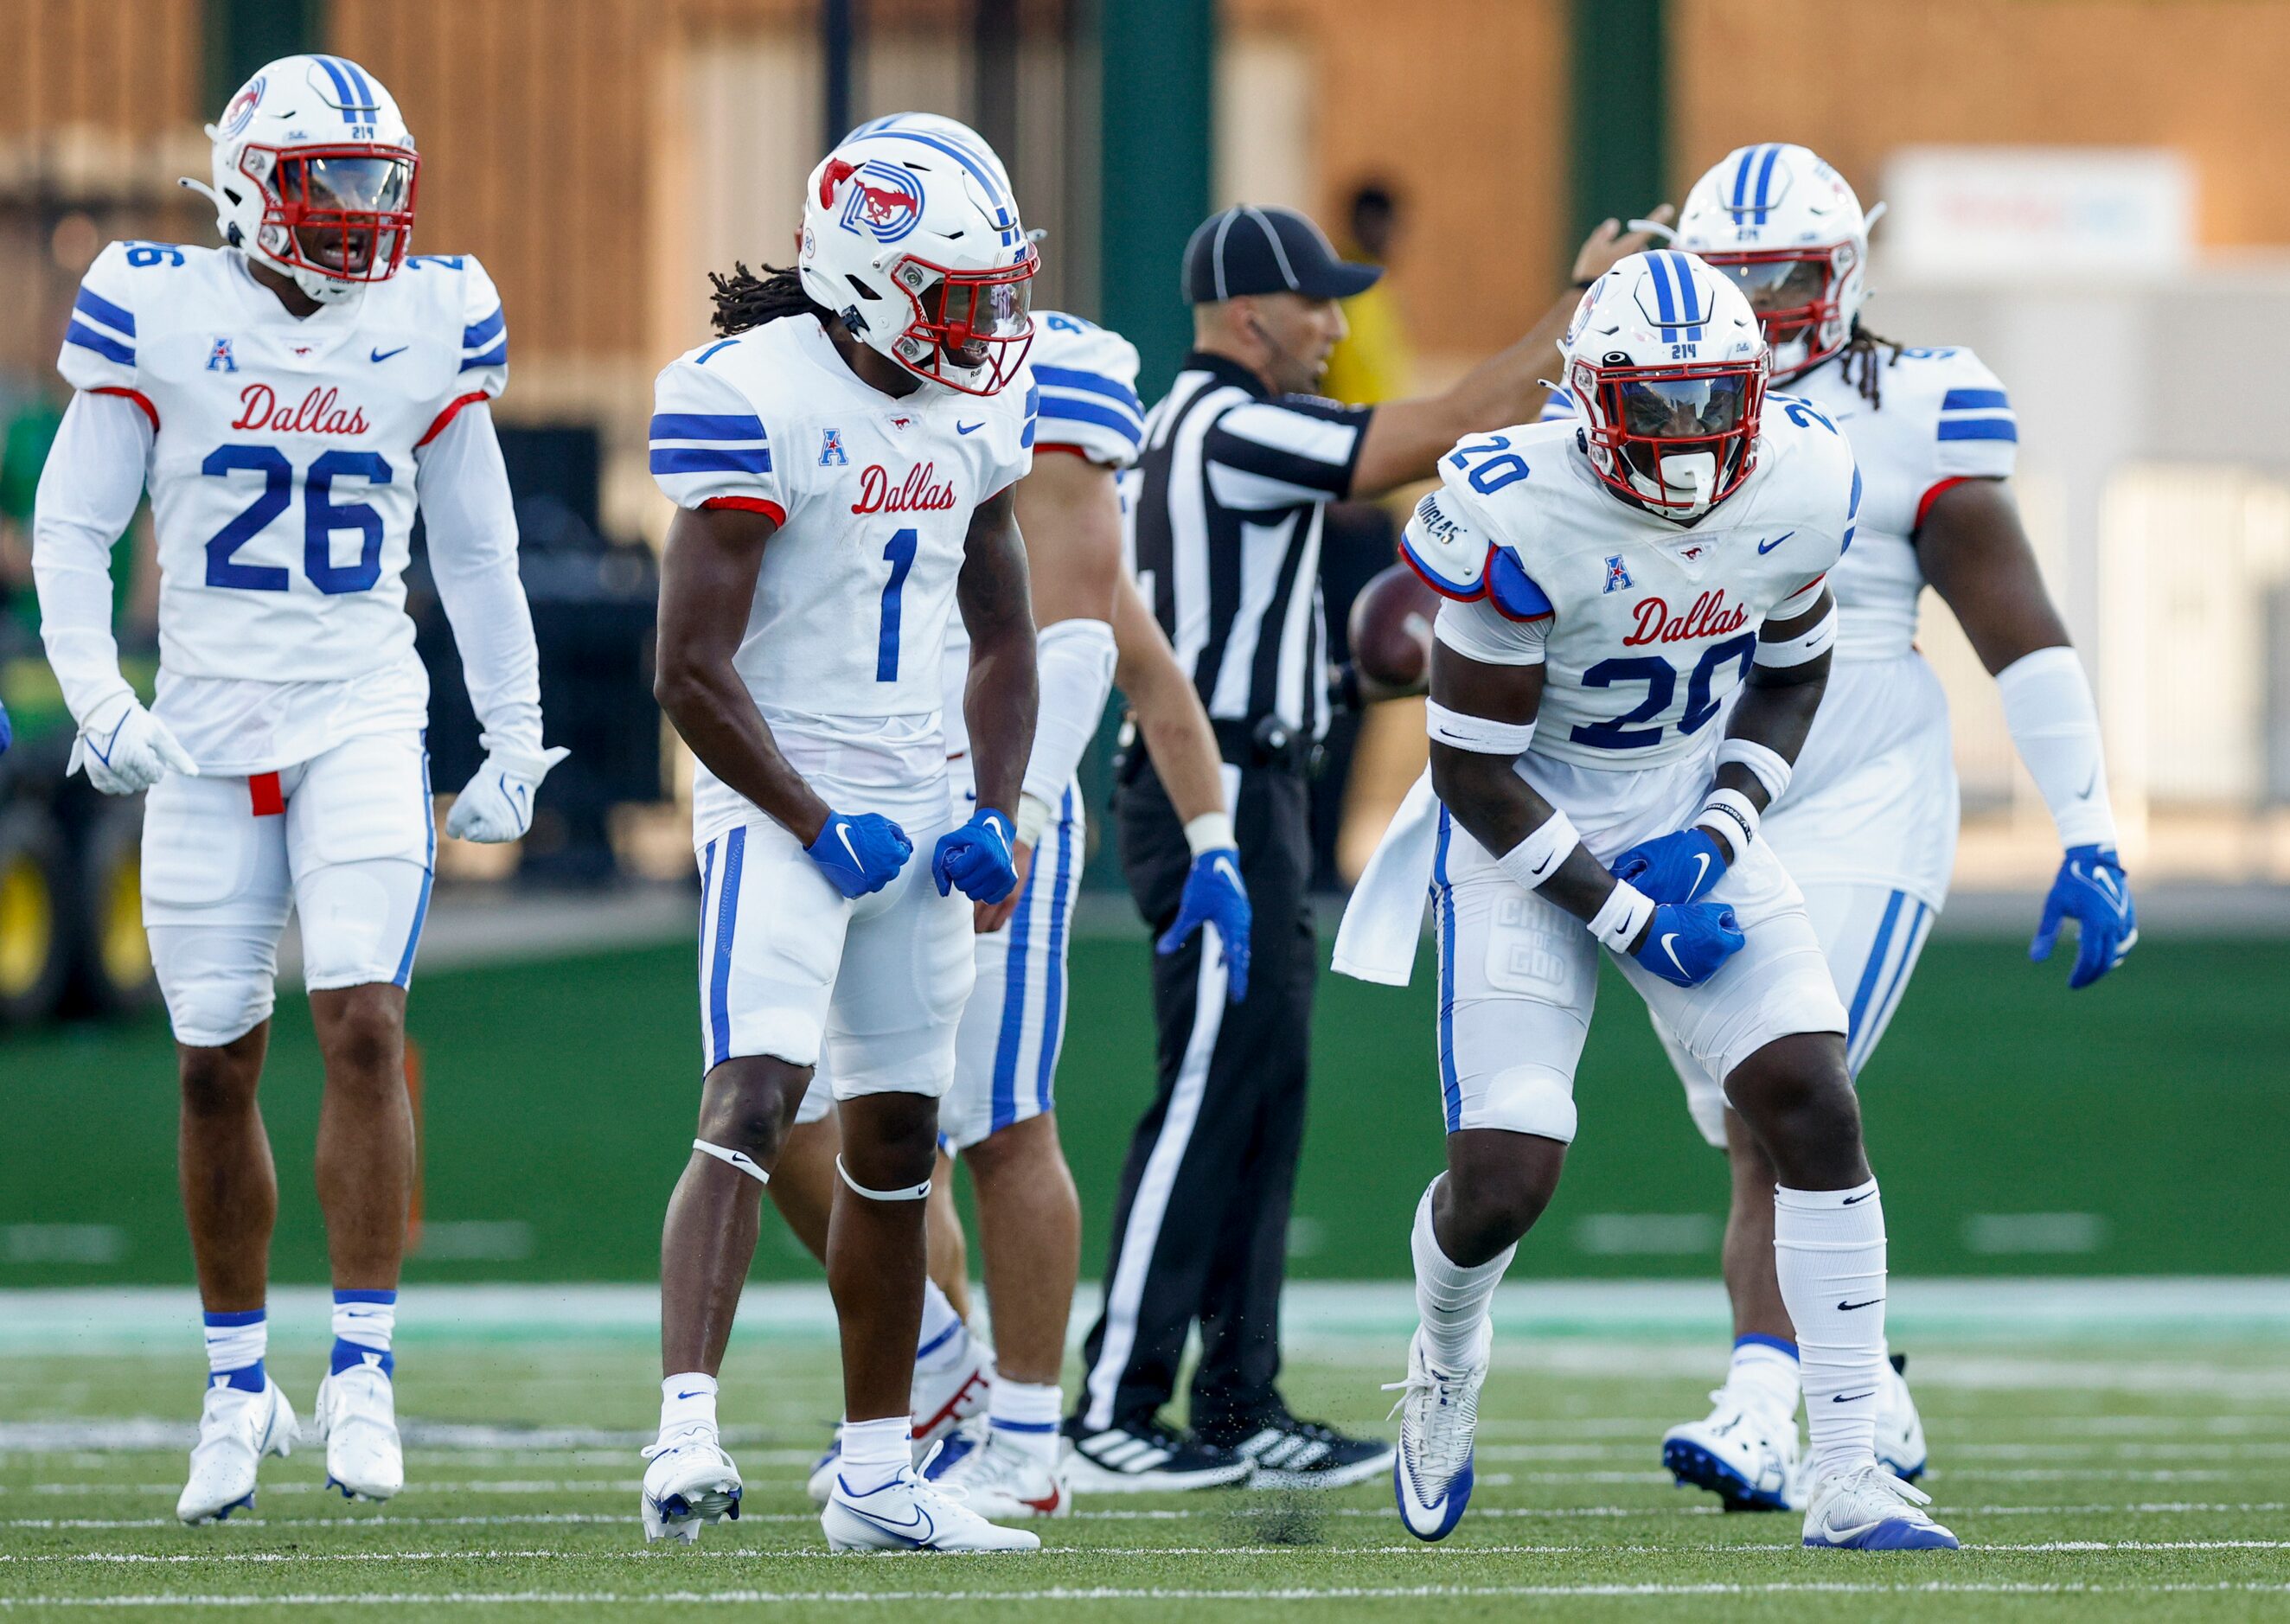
column 1240, row 461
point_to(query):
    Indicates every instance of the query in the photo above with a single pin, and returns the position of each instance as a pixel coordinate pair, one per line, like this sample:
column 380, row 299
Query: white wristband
column 1536, row 858
column 1460, row 730
column 1766, row 764
column 1210, row 832
column 1803, row 649
column 1625, row 913
column 1033, row 817
column 1734, row 816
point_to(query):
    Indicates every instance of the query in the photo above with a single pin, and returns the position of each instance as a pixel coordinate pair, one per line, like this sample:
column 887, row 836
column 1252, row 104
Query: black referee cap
column 1249, row 249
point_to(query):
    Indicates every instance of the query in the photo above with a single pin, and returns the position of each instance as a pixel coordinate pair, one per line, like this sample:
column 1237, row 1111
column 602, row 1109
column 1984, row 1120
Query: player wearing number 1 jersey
column 290, row 400
column 843, row 461
column 1614, row 584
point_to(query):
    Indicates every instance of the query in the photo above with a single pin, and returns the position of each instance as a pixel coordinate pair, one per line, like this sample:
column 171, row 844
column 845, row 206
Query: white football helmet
column 947, row 129
column 1667, row 365
column 913, row 239
column 1789, row 232
column 315, row 174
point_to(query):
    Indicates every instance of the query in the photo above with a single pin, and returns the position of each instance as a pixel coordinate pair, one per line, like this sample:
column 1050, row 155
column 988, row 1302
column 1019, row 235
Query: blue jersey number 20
column 1661, row 680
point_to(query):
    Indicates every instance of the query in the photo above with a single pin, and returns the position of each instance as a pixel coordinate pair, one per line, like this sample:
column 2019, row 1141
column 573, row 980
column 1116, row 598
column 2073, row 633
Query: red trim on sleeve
column 269, row 800
column 1925, row 502
column 1808, row 587
column 140, row 399
column 1070, row 450
column 1446, row 594
column 749, row 504
column 447, row 416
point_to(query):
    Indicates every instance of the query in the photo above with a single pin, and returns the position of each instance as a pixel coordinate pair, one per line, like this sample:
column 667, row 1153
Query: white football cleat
column 998, row 1481
column 1744, row 1455
column 1900, row 1431
column 356, row 1417
column 908, row 1514
column 943, row 1399
column 691, row 1481
column 820, row 1485
column 237, row 1428
column 1872, row 1510
column 1438, row 1412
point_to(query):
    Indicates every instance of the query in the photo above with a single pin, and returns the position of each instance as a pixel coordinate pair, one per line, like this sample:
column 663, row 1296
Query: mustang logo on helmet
column 242, row 108
column 884, row 201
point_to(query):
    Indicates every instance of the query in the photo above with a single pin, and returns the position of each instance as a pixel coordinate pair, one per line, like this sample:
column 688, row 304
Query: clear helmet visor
column 1777, row 284
column 1682, row 408
column 356, row 185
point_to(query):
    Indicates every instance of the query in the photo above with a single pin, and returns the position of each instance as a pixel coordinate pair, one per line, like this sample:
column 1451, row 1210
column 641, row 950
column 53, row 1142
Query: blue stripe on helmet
column 1740, row 202
column 1689, row 297
column 342, row 91
column 1665, row 301
column 1006, row 208
column 367, row 100
column 1765, row 182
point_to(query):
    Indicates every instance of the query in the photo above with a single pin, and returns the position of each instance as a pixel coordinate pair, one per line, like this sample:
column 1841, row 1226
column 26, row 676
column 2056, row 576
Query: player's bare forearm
column 1406, row 439
column 1170, row 717
column 1976, row 555
column 1069, row 512
column 707, row 586
column 1777, row 706
column 1484, row 791
column 1001, row 698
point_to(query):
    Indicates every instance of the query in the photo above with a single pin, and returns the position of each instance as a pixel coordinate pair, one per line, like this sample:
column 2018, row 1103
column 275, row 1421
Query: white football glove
column 126, row 750
column 497, row 805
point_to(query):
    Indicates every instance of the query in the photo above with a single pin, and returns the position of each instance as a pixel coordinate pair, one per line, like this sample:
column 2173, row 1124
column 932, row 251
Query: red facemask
column 345, row 212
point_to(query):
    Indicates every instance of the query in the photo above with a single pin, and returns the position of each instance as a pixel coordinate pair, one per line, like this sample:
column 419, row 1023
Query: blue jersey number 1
column 900, row 553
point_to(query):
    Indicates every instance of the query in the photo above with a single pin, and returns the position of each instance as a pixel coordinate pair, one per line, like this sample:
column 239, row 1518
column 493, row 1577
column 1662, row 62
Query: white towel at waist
column 1383, row 922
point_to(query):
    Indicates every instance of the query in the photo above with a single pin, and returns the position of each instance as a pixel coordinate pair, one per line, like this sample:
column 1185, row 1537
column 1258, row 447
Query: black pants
column 1201, row 1228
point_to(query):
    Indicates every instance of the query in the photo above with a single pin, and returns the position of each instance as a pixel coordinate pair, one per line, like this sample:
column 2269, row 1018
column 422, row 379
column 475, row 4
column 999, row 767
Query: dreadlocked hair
column 744, row 299
column 1860, row 355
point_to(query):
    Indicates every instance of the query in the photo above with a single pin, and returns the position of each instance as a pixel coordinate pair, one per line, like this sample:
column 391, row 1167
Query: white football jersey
column 1942, row 417
column 1643, row 627
column 873, row 497
column 282, row 477
column 1087, row 379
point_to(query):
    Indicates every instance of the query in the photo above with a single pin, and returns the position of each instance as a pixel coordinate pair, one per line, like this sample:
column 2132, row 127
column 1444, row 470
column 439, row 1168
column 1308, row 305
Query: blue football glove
column 2091, row 890
column 7, row 733
column 977, row 857
column 861, row 852
column 1214, row 894
column 1690, row 941
column 1678, row 867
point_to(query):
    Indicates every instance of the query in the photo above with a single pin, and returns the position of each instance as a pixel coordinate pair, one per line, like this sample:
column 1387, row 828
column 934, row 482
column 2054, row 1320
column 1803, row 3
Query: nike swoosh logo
column 1223, row 865
column 1848, row 1398
column 2089, row 785
column 692, row 1395
column 1767, row 547
column 1545, row 866
column 1849, row 1307
column 905, row 1530
column 970, row 427
column 842, row 834
column 1854, row 1201
column 384, row 355
column 1703, row 860
column 111, row 743
column 1666, row 948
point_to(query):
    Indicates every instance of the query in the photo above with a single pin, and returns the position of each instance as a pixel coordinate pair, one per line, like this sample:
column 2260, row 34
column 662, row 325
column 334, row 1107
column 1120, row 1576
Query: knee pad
column 1524, row 1099
column 360, row 922
column 220, row 981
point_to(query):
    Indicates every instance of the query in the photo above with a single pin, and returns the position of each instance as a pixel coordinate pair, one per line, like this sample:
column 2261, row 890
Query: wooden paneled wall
column 129, row 67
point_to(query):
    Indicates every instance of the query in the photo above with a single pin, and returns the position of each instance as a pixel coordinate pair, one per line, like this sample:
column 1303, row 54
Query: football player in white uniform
column 290, row 400
column 1869, row 826
column 843, row 462
column 1612, row 584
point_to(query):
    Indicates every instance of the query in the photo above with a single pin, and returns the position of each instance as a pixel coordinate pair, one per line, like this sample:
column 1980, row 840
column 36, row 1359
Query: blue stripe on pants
column 404, row 976
column 1444, row 902
column 1873, row 968
column 1863, row 1042
column 707, row 895
column 727, row 917
column 1053, row 971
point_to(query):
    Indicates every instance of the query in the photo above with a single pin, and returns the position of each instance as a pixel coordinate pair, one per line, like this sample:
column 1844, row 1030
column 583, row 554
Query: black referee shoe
column 1294, row 1454
column 1146, row 1457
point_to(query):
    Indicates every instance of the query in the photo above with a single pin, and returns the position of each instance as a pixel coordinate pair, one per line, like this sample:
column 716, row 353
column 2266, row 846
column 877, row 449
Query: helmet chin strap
column 1696, row 474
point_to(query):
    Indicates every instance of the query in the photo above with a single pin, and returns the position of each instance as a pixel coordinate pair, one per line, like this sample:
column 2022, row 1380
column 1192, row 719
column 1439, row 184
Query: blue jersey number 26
column 322, row 516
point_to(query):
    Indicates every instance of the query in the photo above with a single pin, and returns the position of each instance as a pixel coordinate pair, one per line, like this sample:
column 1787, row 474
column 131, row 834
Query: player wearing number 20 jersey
column 291, row 401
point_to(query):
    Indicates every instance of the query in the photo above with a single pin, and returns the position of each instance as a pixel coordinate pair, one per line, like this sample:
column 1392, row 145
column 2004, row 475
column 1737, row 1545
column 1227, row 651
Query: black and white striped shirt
column 1225, row 510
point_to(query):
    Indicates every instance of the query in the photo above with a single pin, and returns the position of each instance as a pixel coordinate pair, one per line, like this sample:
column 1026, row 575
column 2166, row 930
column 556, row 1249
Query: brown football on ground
column 1392, row 627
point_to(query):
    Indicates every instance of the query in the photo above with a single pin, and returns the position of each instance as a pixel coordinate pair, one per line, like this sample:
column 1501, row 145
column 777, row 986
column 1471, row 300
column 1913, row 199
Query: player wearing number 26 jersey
column 290, row 400
column 1614, row 584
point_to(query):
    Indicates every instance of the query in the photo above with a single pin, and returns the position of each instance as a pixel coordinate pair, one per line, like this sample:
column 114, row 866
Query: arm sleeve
column 99, row 349
column 1275, row 453
column 485, row 334
column 87, row 495
column 709, row 445
column 1480, row 631
column 1074, row 660
column 2054, row 724
column 465, row 498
